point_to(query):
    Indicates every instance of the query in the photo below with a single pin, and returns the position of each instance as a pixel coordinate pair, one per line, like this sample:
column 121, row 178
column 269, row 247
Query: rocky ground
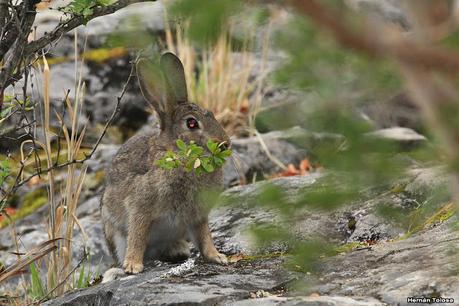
column 374, row 261
column 386, row 273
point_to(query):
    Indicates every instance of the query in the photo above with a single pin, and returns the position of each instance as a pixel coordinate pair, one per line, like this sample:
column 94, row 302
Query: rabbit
column 148, row 212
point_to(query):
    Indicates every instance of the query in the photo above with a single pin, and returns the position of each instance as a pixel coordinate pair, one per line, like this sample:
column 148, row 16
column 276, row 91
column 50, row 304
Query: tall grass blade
column 37, row 288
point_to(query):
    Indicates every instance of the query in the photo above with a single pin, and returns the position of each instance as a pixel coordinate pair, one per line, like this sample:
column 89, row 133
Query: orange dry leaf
column 235, row 258
column 9, row 211
column 371, row 241
column 304, row 168
column 244, row 108
column 291, row 170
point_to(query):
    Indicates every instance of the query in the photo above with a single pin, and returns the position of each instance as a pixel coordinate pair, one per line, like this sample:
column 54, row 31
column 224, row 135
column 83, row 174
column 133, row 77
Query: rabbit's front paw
column 217, row 258
column 132, row 267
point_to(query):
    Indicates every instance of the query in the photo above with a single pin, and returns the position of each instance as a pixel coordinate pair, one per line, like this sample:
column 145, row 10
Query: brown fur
column 151, row 213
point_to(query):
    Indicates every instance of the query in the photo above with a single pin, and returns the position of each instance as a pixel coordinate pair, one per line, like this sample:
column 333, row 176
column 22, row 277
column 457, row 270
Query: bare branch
column 367, row 42
column 3, row 13
column 76, row 21
column 15, row 53
column 20, row 49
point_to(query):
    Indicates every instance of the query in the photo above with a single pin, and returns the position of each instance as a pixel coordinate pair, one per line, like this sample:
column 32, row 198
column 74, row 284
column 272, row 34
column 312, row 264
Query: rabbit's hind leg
column 116, row 243
column 176, row 252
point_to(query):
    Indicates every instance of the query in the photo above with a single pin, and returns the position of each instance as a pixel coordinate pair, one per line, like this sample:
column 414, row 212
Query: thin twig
column 86, row 156
column 115, row 111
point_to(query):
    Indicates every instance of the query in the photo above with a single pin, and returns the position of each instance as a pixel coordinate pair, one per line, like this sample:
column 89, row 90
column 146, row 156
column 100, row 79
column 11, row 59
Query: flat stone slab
column 423, row 265
column 197, row 284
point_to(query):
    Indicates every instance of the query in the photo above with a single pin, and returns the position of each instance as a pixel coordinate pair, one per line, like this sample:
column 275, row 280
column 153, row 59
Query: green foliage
column 11, row 105
column 306, row 255
column 193, row 157
column 85, row 8
column 316, row 62
column 37, row 287
column 6, row 111
column 81, row 283
column 5, row 170
column 207, row 18
column 84, row 277
column 132, row 36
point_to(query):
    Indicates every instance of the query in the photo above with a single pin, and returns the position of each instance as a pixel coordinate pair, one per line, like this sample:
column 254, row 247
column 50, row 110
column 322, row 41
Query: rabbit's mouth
column 225, row 145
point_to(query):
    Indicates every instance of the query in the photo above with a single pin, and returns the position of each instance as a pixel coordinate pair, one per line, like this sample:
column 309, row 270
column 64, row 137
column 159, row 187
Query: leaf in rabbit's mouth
column 192, row 157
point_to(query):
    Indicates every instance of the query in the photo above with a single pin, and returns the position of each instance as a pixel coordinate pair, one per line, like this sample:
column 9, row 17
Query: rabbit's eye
column 192, row 123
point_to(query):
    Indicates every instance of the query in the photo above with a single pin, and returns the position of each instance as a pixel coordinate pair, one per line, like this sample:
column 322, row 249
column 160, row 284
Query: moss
column 348, row 247
column 30, row 203
column 32, row 165
column 441, row 215
column 262, row 256
column 405, row 236
column 97, row 56
column 62, row 156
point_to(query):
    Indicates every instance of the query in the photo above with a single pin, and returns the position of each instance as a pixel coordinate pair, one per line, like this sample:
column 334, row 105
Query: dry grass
column 62, row 214
column 63, row 196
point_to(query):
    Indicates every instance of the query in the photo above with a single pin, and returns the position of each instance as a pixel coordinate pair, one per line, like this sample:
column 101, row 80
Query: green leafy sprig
column 85, row 7
column 193, row 157
column 5, row 170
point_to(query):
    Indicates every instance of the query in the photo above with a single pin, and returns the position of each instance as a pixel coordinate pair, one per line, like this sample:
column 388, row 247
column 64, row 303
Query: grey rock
column 382, row 273
column 370, row 227
column 203, row 284
column 103, row 84
column 361, row 222
column 102, row 157
column 231, row 223
column 399, row 111
column 422, row 265
column 405, row 137
column 426, row 180
column 312, row 301
column 251, row 160
column 95, row 32
column 280, row 102
column 255, row 158
column 89, row 207
column 389, row 10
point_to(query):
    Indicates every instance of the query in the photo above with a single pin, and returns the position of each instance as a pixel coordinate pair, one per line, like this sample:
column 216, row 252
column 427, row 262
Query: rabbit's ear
column 175, row 78
column 153, row 86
